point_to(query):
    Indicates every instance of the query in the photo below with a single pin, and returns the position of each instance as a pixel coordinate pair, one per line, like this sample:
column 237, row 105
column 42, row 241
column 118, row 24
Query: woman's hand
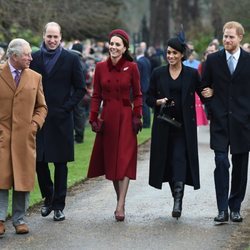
column 97, row 126
column 161, row 101
column 137, row 124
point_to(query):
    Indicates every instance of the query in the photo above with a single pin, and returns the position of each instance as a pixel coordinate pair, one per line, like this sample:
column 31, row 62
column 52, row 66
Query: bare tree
column 217, row 18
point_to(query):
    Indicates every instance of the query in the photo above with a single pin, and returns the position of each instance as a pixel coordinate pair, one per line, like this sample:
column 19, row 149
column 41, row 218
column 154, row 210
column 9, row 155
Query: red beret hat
column 121, row 33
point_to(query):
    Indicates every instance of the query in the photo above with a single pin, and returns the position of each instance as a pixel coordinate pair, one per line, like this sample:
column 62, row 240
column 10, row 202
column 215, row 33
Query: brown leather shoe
column 2, row 228
column 22, row 229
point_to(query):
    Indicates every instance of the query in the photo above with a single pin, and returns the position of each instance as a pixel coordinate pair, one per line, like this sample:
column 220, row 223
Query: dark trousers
column 145, row 113
column 238, row 180
column 53, row 192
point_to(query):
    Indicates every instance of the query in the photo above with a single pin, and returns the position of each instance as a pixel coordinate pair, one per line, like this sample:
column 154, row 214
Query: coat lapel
column 223, row 63
column 164, row 78
column 23, row 81
column 241, row 63
column 185, row 83
column 7, row 77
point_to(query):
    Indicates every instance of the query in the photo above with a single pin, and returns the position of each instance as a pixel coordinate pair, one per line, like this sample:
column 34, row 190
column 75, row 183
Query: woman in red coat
column 117, row 87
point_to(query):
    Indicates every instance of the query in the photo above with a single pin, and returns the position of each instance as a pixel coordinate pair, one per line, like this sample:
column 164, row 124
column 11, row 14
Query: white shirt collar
column 236, row 55
column 138, row 57
column 12, row 69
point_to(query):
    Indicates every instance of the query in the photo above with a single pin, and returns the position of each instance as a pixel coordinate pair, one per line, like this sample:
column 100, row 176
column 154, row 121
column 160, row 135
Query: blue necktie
column 230, row 64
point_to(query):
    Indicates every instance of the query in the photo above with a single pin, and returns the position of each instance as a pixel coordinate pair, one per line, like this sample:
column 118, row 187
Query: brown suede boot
column 22, row 229
column 2, row 228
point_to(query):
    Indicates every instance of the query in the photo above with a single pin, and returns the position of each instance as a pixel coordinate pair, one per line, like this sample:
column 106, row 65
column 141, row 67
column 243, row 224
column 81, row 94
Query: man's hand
column 207, row 92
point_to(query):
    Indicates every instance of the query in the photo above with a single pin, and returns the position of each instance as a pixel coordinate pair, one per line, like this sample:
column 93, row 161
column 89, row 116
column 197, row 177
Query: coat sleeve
column 198, row 86
column 206, row 78
column 206, row 75
column 137, row 95
column 97, row 96
column 78, row 85
column 40, row 111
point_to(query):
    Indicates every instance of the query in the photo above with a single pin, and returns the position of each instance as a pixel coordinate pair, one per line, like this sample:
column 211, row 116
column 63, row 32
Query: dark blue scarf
column 50, row 57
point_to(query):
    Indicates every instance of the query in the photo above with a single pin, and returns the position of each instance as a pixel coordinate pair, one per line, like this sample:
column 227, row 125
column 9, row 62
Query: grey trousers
column 20, row 204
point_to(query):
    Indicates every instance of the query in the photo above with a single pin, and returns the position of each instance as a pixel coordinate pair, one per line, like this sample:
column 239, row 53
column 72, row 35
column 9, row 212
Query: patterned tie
column 17, row 77
column 230, row 64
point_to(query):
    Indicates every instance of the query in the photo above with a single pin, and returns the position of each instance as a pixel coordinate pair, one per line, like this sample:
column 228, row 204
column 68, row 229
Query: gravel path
column 90, row 222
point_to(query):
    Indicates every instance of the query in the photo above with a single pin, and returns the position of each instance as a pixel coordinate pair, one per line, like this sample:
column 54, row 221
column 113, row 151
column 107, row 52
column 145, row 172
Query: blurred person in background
column 144, row 67
column 192, row 57
column 246, row 47
column 154, row 59
column 2, row 55
column 80, row 111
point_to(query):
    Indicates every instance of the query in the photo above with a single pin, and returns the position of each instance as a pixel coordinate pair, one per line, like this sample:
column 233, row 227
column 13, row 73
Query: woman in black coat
column 174, row 150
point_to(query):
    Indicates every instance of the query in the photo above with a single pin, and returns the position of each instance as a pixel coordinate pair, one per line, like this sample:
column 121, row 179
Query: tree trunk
column 217, row 22
column 159, row 22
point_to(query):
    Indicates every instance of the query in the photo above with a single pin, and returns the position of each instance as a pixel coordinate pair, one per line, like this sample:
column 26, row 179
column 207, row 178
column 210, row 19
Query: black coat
column 63, row 89
column 158, row 89
column 230, row 105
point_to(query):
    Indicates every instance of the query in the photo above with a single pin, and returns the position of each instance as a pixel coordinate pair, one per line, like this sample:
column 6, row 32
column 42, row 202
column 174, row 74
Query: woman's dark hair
column 127, row 54
column 178, row 45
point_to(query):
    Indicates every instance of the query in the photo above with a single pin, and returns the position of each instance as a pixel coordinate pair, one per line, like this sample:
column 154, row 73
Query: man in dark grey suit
column 227, row 72
column 63, row 84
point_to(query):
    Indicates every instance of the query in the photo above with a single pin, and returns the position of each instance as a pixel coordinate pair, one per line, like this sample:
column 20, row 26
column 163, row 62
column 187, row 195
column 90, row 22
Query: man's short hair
column 234, row 25
column 52, row 24
column 15, row 47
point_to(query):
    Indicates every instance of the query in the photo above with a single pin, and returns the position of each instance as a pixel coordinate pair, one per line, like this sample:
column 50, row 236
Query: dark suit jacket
column 230, row 105
column 144, row 67
column 63, row 89
column 160, row 170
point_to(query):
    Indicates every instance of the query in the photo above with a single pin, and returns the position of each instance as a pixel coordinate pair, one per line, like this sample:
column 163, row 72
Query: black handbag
column 166, row 114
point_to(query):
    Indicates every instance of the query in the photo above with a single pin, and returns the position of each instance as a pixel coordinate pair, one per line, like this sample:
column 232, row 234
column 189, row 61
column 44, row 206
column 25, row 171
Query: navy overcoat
column 63, row 89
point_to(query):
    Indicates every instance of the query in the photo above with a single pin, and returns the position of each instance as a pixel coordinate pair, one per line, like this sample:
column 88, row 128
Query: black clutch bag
column 166, row 114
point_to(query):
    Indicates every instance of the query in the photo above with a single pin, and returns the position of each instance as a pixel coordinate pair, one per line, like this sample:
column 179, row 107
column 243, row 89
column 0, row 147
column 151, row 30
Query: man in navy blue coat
column 144, row 67
column 230, row 120
column 63, row 85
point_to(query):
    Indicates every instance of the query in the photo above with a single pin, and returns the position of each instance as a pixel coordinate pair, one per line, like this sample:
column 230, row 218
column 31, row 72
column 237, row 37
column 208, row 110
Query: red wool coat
column 115, row 149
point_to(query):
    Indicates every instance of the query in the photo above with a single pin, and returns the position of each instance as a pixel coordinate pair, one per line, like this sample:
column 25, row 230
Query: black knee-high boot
column 178, row 192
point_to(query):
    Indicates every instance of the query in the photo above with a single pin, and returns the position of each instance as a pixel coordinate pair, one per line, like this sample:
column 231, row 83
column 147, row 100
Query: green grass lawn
column 78, row 168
